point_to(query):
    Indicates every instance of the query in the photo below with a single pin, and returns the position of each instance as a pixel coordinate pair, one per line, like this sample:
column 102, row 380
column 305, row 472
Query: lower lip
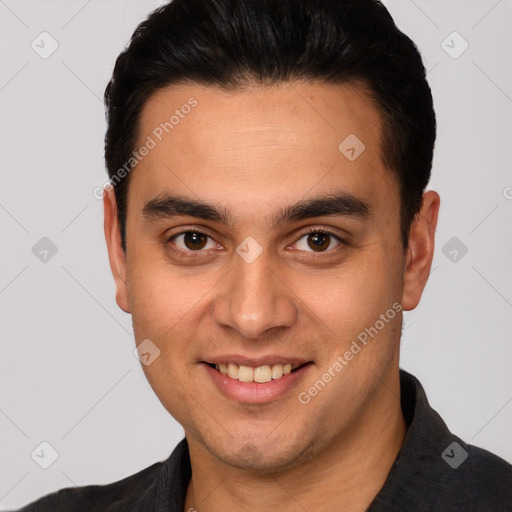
column 255, row 392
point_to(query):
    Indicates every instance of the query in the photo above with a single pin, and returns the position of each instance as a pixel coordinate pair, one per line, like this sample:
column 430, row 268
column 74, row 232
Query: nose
column 253, row 299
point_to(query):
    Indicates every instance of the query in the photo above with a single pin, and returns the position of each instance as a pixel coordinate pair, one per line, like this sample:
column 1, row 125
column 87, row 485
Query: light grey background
column 68, row 374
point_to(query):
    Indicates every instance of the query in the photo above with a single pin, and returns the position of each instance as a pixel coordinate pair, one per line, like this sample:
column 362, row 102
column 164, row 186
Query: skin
column 253, row 151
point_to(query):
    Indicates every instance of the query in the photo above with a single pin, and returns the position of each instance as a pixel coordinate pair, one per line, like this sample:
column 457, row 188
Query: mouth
column 257, row 381
column 259, row 374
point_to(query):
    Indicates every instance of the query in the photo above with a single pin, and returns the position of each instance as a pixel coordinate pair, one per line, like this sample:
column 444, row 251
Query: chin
column 263, row 454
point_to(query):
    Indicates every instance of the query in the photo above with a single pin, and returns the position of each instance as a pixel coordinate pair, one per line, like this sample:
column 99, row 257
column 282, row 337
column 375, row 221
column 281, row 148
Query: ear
column 420, row 250
column 116, row 255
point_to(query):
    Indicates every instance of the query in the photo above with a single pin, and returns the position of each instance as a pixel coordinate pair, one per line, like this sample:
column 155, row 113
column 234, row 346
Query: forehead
column 261, row 145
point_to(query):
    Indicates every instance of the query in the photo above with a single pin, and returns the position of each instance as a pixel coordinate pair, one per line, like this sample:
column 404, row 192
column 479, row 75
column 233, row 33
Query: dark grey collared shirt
column 435, row 471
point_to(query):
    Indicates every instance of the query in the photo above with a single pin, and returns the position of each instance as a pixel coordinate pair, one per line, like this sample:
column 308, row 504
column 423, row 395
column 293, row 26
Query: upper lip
column 256, row 361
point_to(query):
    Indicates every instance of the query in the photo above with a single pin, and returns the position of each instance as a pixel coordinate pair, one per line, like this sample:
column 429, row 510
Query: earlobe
column 116, row 254
column 420, row 250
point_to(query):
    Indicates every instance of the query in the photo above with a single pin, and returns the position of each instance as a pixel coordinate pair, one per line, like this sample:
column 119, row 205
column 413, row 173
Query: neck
column 349, row 473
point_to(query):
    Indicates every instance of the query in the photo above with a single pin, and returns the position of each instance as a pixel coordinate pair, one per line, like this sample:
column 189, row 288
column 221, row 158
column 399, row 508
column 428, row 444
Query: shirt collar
column 419, row 466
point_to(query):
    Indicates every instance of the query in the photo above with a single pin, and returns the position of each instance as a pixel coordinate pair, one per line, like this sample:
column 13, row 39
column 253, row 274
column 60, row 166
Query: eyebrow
column 341, row 204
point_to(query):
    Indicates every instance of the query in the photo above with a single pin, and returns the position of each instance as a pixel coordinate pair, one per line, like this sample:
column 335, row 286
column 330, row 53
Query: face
column 256, row 240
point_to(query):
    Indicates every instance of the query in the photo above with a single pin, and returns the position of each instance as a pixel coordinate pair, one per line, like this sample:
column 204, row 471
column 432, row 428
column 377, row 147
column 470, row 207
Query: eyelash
column 189, row 253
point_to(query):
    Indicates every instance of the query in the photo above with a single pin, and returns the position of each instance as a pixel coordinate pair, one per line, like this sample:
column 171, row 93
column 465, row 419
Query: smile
column 260, row 374
column 256, row 381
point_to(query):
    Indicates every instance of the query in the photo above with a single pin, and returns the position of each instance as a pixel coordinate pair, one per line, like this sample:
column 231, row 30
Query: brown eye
column 319, row 241
column 192, row 241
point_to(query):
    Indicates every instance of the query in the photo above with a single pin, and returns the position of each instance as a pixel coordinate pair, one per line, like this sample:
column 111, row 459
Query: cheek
column 355, row 293
column 167, row 310
column 346, row 302
column 161, row 300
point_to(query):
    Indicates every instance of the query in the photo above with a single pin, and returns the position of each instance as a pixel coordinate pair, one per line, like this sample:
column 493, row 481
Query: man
column 267, row 226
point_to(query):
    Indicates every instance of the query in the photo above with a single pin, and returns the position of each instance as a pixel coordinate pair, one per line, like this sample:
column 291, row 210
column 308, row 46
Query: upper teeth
column 262, row 374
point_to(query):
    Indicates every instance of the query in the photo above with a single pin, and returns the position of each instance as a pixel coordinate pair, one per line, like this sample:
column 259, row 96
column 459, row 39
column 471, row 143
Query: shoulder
column 486, row 465
column 126, row 495
column 483, row 480
column 438, row 471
